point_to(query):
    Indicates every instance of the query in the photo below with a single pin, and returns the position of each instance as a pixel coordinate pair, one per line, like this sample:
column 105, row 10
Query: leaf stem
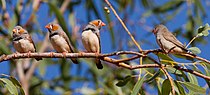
column 191, row 40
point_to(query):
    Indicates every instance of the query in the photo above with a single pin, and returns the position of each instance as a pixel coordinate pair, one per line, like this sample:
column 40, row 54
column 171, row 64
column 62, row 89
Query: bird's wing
column 170, row 37
column 28, row 37
column 98, row 35
column 64, row 35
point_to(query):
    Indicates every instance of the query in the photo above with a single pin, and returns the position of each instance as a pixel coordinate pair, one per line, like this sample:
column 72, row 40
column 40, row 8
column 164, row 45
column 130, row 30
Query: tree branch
column 104, row 57
column 170, row 80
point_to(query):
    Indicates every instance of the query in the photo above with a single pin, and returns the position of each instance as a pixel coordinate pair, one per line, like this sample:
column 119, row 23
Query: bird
column 167, row 41
column 91, row 39
column 22, row 41
column 60, row 40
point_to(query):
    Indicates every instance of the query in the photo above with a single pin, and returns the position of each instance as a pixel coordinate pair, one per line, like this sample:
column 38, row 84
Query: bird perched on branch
column 167, row 41
column 22, row 41
column 60, row 40
column 91, row 39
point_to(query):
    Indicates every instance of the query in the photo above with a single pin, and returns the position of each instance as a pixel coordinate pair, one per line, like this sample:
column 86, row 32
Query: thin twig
column 123, row 24
column 191, row 40
column 170, row 80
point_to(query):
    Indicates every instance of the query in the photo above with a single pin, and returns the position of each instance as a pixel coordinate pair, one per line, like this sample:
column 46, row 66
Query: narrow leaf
column 166, row 87
column 180, row 88
column 164, row 57
column 174, row 71
column 194, row 88
column 17, row 83
column 192, row 79
column 153, row 77
column 10, row 86
column 138, row 86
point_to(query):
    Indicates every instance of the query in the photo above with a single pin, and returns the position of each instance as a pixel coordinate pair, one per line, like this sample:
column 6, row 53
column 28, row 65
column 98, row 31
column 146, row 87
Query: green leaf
column 204, row 30
column 174, row 71
column 159, row 85
column 180, row 88
column 10, row 86
column 124, row 81
column 1, row 84
column 192, row 79
column 205, row 67
column 166, row 87
column 153, row 77
column 205, row 33
column 200, row 34
column 17, row 83
column 164, row 57
column 195, row 50
column 138, row 85
column 14, row 81
column 194, row 88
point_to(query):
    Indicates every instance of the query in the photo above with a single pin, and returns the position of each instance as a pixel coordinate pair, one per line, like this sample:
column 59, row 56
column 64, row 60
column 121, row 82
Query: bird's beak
column 155, row 30
column 47, row 26
column 103, row 24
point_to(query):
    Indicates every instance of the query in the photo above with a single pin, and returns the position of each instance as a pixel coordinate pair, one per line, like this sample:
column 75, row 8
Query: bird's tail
column 74, row 60
column 98, row 64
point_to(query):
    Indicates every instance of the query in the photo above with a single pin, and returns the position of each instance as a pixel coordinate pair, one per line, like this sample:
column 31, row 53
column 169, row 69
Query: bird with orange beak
column 91, row 39
column 60, row 40
column 22, row 41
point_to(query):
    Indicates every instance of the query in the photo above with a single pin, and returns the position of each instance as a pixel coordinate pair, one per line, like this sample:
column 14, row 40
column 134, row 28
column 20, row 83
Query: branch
column 197, row 57
column 170, row 80
column 192, row 72
column 104, row 57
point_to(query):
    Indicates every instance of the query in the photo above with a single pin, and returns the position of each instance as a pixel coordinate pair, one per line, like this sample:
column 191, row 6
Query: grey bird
column 60, row 40
column 22, row 41
column 91, row 39
column 167, row 41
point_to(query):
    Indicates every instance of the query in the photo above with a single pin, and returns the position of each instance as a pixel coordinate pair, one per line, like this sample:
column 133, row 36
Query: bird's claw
column 51, row 54
column 29, row 53
column 64, row 54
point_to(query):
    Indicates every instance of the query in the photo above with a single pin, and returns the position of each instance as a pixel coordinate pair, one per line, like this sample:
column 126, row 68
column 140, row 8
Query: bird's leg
column 15, row 55
column 81, row 52
column 97, row 54
column 29, row 53
column 64, row 54
column 51, row 54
